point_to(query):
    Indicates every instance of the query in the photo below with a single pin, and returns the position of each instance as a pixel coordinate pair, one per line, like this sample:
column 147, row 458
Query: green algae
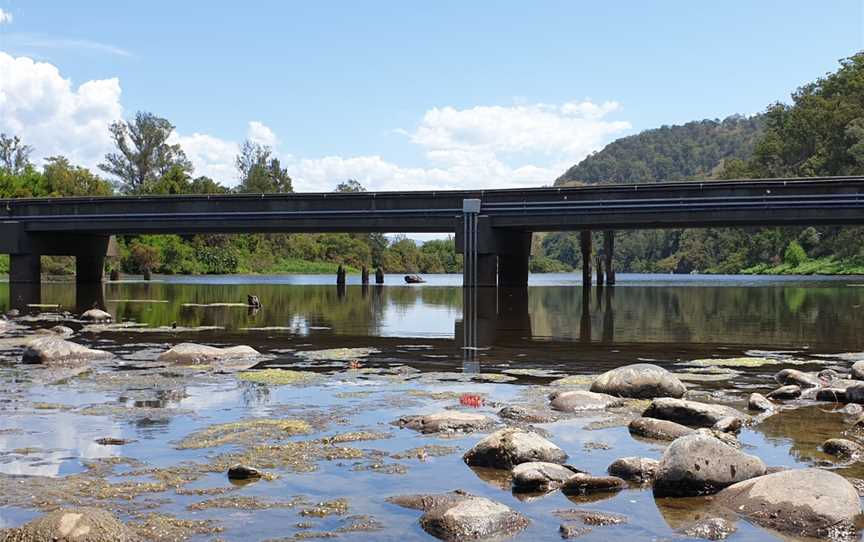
column 337, row 507
column 246, row 503
column 244, row 432
column 573, row 380
column 159, row 527
column 277, row 377
column 742, row 362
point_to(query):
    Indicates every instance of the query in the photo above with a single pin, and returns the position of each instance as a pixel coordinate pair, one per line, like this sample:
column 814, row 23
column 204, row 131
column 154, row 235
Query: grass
column 820, row 266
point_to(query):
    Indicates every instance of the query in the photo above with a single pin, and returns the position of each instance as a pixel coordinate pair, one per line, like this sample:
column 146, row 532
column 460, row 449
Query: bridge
column 492, row 227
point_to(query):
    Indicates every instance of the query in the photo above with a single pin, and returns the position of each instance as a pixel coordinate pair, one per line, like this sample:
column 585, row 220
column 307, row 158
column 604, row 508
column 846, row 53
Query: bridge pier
column 491, row 256
column 609, row 252
column 585, row 245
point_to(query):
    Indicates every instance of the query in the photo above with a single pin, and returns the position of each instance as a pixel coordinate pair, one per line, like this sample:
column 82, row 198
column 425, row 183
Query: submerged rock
column 858, row 370
column 711, row 529
column 522, row 414
column 96, row 315
column 54, row 350
column 640, row 381
column 634, row 469
column 581, row 400
column 842, row 448
column 700, row 465
column 583, row 484
column 72, row 525
column 448, row 421
column 831, row 395
column 506, row 448
column 784, row 393
column 243, row 472
column 788, row 377
column 759, row 402
column 460, row 516
column 803, row 502
column 690, row 413
column 194, row 354
column 541, row 476
column 657, row 429
column 572, row 530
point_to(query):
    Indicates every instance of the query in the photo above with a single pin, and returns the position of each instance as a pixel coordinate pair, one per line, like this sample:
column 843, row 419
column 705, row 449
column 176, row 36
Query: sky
column 403, row 95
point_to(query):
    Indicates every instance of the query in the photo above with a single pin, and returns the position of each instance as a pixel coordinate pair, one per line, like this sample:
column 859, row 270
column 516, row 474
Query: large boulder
column 691, row 413
column 72, row 525
column 804, row 502
column 506, row 448
column 540, row 476
column 640, row 380
column 700, row 465
column 842, row 448
column 656, row 429
column 460, row 516
column 96, row 315
column 194, row 354
column 448, row 421
column 54, row 350
column 581, row 400
column 760, row 403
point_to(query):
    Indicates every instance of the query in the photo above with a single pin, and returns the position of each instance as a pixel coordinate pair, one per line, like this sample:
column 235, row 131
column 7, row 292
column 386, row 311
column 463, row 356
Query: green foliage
column 14, row 155
column 794, row 255
column 260, row 172
column 545, row 264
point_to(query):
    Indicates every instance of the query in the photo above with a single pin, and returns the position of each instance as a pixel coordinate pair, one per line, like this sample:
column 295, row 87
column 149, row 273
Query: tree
column 143, row 152
column 351, row 185
column 14, row 155
column 259, row 171
column 60, row 178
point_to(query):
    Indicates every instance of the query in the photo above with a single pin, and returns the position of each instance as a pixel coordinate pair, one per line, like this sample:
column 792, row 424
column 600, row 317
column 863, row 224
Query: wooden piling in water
column 585, row 245
column 609, row 252
column 379, row 276
column 364, row 275
column 340, row 276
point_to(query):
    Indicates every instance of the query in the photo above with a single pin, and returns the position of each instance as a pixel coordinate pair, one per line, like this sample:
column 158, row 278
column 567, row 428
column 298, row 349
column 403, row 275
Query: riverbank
column 818, row 266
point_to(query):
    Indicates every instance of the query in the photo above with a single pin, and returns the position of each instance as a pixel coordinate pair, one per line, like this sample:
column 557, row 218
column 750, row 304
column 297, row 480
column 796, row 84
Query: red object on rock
column 471, row 399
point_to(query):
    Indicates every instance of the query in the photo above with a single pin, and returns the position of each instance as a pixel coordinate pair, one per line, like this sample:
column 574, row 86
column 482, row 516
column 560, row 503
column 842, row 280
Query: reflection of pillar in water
column 340, row 291
column 22, row 294
column 585, row 322
column 609, row 252
column 364, row 290
column 585, row 245
column 598, row 263
column 609, row 318
column 470, row 363
column 89, row 296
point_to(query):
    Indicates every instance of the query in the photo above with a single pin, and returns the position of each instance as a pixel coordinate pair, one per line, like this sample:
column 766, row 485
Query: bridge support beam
column 609, row 252
column 585, row 245
column 491, row 257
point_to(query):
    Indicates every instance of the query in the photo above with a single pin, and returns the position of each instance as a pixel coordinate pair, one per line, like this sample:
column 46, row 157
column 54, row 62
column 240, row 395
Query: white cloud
column 5, row 17
column 47, row 112
column 20, row 41
column 210, row 155
column 261, row 134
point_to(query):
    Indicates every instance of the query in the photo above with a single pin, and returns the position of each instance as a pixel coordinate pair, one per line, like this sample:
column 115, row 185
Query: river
column 370, row 354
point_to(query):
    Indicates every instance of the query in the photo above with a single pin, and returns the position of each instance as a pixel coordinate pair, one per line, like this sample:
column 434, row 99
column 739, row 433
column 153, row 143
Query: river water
column 370, row 354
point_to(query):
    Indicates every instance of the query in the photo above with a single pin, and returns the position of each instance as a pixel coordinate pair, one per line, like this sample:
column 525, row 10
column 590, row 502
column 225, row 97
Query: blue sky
column 410, row 94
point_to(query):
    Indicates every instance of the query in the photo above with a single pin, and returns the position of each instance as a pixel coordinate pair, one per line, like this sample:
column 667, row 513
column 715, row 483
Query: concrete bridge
column 492, row 227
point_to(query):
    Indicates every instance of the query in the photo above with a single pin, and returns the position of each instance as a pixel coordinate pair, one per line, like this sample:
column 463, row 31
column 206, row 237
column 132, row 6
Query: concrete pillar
column 513, row 256
column 585, row 245
column 609, row 252
column 25, row 268
column 89, row 268
column 487, row 270
column 22, row 294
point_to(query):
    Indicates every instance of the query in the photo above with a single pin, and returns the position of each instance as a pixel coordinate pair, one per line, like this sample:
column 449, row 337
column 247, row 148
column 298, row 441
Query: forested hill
column 697, row 149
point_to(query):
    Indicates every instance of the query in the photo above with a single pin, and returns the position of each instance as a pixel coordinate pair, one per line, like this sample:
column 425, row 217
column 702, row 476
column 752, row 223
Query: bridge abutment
column 492, row 257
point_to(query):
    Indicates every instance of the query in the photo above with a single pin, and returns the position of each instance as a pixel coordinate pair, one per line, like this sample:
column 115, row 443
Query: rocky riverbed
column 113, row 434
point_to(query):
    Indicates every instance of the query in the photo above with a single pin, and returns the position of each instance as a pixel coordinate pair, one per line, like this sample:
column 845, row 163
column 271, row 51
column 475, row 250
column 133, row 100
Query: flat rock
column 583, row 484
column 690, row 413
column 710, row 529
column 640, row 381
column 541, row 476
column 448, row 421
column 522, row 414
column 72, row 525
column 59, row 331
column 656, row 429
column 795, row 377
column 54, row 350
column 785, row 393
column 802, row 502
column 194, row 354
column 96, row 315
column 460, row 516
column 506, row 448
column 581, row 400
column 760, row 403
column 634, row 469
column 841, row 447
column 700, row 465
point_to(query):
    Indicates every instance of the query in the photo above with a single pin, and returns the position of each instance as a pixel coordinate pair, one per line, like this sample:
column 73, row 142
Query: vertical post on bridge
column 609, row 252
column 585, row 245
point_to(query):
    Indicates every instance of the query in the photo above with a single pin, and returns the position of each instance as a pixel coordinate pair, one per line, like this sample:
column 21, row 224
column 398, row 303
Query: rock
column 831, row 395
column 540, row 476
column 448, row 421
column 60, row 331
column 700, row 465
column 726, row 438
column 788, row 377
column 522, row 414
column 852, row 409
column 858, row 370
column 640, row 381
column 571, row 530
column 691, row 413
column 634, row 469
column 414, row 279
column 96, row 315
column 13, row 313
column 728, row 425
column 828, row 375
column 842, row 448
column 460, row 516
column 855, row 393
column 580, row 400
column 72, row 525
column 803, row 502
column 591, row 517
column 194, row 354
column 784, row 393
column 253, row 301
column 243, row 472
column 54, row 350
column 583, row 483
column 658, row 429
column 711, row 529
column 506, row 448
column 759, row 402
